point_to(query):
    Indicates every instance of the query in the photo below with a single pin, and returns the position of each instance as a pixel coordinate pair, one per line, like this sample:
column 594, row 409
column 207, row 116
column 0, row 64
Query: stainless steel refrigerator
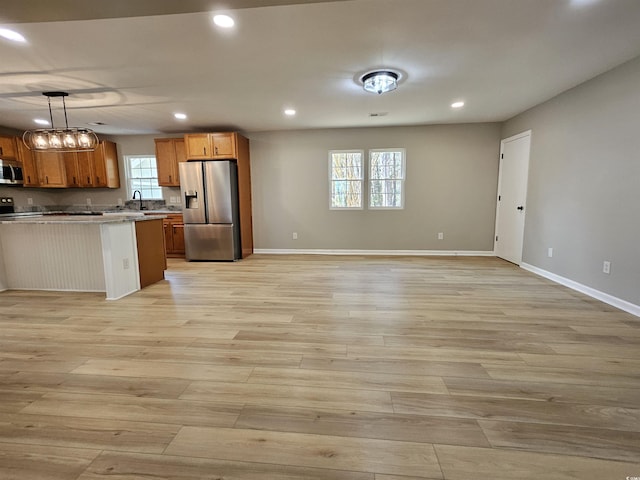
column 210, row 208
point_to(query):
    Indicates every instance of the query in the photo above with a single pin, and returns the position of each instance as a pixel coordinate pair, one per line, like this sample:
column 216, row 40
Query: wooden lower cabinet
column 174, row 235
column 151, row 255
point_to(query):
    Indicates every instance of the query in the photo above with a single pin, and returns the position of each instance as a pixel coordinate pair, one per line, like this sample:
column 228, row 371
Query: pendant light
column 68, row 139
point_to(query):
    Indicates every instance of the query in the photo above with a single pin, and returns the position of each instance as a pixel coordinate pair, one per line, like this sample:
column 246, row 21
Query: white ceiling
column 500, row 56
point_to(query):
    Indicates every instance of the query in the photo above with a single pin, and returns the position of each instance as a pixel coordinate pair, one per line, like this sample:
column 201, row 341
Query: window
column 346, row 175
column 386, row 178
column 142, row 174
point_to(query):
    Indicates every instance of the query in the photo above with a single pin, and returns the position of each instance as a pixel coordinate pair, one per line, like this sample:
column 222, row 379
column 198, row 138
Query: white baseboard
column 592, row 292
column 405, row 253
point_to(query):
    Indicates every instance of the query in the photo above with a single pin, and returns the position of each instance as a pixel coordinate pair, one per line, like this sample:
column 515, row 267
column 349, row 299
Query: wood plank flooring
column 318, row 367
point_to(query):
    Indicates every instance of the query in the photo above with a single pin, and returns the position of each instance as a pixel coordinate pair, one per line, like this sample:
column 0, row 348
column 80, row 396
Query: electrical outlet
column 295, row 235
column 172, row 199
column 441, row 236
column 29, row 201
column 120, row 202
column 550, row 252
column 125, row 263
column 88, row 201
column 606, row 267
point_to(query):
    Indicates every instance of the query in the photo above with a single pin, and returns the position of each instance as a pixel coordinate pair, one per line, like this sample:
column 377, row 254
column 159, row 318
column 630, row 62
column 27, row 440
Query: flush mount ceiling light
column 68, row 139
column 180, row 116
column 290, row 112
column 380, row 81
column 459, row 104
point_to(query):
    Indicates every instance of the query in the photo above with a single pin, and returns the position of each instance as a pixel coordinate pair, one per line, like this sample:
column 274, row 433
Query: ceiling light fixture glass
column 68, row 139
column 380, row 81
column 457, row 104
column 290, row 112
column 180, row 116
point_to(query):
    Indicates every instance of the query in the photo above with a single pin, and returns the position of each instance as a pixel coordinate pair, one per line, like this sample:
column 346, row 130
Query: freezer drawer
column 211, row 242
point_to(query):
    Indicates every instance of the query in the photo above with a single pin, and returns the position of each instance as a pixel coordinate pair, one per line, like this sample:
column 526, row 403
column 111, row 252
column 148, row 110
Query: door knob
column 520, row 207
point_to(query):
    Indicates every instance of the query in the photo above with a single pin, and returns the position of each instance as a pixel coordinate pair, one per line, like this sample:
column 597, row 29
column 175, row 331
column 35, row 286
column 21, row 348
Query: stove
column 6, row 205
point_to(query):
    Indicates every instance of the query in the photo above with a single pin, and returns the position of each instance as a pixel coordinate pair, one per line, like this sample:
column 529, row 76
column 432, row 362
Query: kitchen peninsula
column 115, row 254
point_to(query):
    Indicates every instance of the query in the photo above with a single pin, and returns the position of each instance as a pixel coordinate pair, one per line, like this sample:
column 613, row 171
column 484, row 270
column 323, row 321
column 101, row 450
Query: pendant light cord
column 50, row 114
column 64, row 107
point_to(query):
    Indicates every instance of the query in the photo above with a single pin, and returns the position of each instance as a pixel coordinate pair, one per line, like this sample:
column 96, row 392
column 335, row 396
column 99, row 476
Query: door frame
column 526, row 133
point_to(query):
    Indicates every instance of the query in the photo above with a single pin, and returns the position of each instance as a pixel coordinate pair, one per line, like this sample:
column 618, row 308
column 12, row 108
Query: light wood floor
column 318, row 368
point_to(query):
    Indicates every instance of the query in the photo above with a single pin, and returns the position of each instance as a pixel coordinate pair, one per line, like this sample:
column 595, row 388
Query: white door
column 512, row 196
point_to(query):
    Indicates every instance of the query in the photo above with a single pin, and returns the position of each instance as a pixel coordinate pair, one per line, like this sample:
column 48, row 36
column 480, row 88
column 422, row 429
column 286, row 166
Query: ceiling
column 135, row 63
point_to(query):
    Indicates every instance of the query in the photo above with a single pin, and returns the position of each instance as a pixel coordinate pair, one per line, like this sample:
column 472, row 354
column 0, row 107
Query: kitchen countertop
column 79, row 219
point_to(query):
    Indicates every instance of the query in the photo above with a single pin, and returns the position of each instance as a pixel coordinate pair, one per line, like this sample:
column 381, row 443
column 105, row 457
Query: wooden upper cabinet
column 79, row 169
column 106, row 173
column 211, row 146
column 51, row 169
column 224, row 145
column 29, row 169
column 169, row 153
column 8, row 147
column 71, row 169
column 198, row 146
column 98, row 168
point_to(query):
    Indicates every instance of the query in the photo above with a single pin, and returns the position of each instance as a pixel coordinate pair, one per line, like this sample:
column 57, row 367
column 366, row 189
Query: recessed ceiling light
column 290, row 112
column 180, row 116
column 41, row 121
column 457, row 105
column 224, row 21
column 11, row 35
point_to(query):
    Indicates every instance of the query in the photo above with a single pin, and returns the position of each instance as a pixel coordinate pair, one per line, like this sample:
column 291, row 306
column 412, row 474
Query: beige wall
column 584, row 182
column 450, row 188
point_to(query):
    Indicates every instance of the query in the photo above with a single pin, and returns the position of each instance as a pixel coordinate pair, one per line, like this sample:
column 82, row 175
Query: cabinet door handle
column 205, row 150
column 88, row 180
column 29, row 178
column 74, row 181
column 1, row 152
column 216, row 150
column 97, row 179
column 46, row 179
column 169, row 178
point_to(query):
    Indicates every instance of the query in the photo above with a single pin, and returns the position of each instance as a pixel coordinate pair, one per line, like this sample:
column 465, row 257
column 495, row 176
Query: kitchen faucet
column 139, row 196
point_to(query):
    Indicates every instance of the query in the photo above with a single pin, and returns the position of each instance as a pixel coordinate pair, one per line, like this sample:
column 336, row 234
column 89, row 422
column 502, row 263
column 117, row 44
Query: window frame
column 361, row 180
column 370, row 178
column 129, row 178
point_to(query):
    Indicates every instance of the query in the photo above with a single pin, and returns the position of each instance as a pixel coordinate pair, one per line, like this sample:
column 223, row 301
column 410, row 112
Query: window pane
column 346, row 177
column 386, row 179
column 142, row 175
column 346, row 194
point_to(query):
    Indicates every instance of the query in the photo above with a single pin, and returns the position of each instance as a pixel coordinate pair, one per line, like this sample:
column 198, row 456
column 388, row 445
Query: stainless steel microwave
column 11, row 173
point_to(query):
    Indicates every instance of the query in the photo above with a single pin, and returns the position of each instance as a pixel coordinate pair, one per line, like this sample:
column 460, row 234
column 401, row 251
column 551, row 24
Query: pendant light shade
column 380, row 81
column 68, row 139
